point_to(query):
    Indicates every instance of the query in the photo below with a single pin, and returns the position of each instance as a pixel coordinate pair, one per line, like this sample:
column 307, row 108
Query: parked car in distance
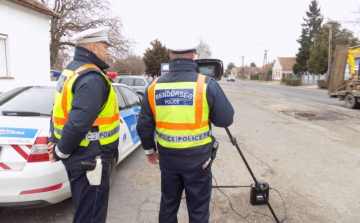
column 27, row 178
column 231, row 78
column 138, row 83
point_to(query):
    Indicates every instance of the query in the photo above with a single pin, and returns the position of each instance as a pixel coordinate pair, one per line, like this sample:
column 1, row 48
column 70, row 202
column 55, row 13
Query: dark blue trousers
column 197, row 185
column 91, row 202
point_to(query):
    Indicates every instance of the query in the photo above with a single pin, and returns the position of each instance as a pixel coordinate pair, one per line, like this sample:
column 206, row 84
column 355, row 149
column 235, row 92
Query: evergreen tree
column 230, row 66
column 314, row 20
column 310, row 28
column 154, row 57
column 304, row 53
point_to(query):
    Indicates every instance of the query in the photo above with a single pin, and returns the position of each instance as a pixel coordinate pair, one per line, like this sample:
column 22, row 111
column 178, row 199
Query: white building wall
column 28, row 45
column 312, row 78
column 276, row 71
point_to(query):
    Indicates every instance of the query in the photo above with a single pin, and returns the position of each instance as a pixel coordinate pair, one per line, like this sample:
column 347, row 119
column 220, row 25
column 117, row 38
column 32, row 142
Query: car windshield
column 27, row 101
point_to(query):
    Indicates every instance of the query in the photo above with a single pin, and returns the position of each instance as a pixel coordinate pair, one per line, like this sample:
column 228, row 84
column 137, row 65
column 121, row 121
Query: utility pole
column 265, row 65
column 242, row 69
column 330, row 47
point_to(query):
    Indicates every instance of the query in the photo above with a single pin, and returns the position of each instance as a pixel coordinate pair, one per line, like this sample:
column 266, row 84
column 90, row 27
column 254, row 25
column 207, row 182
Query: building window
column 4, row 70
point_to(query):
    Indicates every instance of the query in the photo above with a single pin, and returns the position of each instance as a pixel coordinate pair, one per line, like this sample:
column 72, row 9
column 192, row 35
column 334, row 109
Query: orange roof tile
column 287, row 63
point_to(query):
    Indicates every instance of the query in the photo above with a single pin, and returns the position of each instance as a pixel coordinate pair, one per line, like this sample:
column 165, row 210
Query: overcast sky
column 232, row 28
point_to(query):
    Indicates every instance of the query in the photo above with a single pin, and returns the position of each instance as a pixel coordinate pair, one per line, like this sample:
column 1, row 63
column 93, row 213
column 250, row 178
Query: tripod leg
column 233, row 140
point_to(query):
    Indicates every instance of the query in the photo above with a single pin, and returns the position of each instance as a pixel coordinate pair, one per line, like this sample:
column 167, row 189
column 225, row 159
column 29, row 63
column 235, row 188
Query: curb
column 304, row 86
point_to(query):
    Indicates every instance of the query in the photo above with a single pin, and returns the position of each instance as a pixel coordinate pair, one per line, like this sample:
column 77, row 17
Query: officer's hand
column 50, row 147
column 153, row 158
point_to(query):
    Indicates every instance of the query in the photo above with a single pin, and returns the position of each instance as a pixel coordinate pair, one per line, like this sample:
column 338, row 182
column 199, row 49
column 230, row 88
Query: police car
column 27, row 178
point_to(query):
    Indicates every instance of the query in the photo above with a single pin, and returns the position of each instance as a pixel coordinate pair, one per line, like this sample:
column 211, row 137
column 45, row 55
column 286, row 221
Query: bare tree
column 357, row 19
column 132, row 64
column 79, row 15
column 63, row 58
column 203, row 50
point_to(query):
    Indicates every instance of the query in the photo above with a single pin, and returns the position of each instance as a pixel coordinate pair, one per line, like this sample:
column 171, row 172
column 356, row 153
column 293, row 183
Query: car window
column 149, row 79
column 132, row 97
column 139, row 82
column 34, row 99
column 127, row 81
column 117, row 80
column 120, row 99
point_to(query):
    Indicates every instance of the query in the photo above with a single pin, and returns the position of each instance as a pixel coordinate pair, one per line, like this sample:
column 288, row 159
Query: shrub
column 287, row 81
column 254, row 77
column 283, row 80
column 322, row 84
column 294, row 82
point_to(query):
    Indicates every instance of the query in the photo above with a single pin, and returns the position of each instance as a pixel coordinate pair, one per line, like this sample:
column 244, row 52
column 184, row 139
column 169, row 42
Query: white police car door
column 129, row 138
column 126, row 118
column 134, row 101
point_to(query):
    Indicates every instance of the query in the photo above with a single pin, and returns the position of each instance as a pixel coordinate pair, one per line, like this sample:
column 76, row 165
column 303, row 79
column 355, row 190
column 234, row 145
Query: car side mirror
column 210, row 67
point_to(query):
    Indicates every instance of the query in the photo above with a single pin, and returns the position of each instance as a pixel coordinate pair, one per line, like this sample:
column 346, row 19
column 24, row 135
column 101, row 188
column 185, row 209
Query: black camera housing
column 210, row 67
column 256, row 197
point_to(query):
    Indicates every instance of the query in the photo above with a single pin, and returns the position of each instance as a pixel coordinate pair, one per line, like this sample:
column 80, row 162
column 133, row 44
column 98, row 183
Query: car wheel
column 350, row 101
column 112, row 171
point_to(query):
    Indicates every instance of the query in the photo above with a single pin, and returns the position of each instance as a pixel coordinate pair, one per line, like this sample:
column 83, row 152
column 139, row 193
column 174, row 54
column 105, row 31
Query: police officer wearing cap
column 86, row 125
column 180, row 106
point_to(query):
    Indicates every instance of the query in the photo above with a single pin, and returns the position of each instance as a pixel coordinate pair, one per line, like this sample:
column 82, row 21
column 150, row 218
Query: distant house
column 237, row 71
column 24, row 43
column 283, row 67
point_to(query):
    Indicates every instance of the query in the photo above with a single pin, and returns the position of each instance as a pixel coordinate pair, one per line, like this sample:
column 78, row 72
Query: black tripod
column 234, row 142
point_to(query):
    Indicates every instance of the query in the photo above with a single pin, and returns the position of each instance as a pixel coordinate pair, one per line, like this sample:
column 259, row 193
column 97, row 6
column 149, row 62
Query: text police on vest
column 174, row 96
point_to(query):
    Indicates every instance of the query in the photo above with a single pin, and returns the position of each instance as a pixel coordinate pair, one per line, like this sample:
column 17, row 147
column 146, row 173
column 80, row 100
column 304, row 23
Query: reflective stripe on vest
column 182, row 139
column 94, row 136
column 181, row 112
column 108, row 118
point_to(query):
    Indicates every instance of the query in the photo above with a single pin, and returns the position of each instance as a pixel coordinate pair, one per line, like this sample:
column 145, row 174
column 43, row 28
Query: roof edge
column 46, row 11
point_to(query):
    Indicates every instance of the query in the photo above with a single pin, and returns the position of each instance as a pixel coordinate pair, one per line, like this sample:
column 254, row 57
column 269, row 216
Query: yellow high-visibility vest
column 107, row 120
column 181, row 113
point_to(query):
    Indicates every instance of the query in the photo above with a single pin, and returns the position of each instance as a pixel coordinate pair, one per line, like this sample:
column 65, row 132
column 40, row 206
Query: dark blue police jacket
column 221, row 115
column 90, row 93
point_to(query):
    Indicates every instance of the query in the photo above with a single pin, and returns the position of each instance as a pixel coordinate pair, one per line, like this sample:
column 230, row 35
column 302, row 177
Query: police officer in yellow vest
column 180, row 106
column 86, row 125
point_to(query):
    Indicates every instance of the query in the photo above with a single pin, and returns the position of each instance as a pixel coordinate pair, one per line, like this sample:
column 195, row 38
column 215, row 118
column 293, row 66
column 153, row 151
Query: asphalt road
column 308, row 150
column 308, row 93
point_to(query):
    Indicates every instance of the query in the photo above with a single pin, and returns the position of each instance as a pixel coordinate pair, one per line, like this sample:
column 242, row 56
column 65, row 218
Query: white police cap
column 183, row 51
column 92, row 36
column 182, row 44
